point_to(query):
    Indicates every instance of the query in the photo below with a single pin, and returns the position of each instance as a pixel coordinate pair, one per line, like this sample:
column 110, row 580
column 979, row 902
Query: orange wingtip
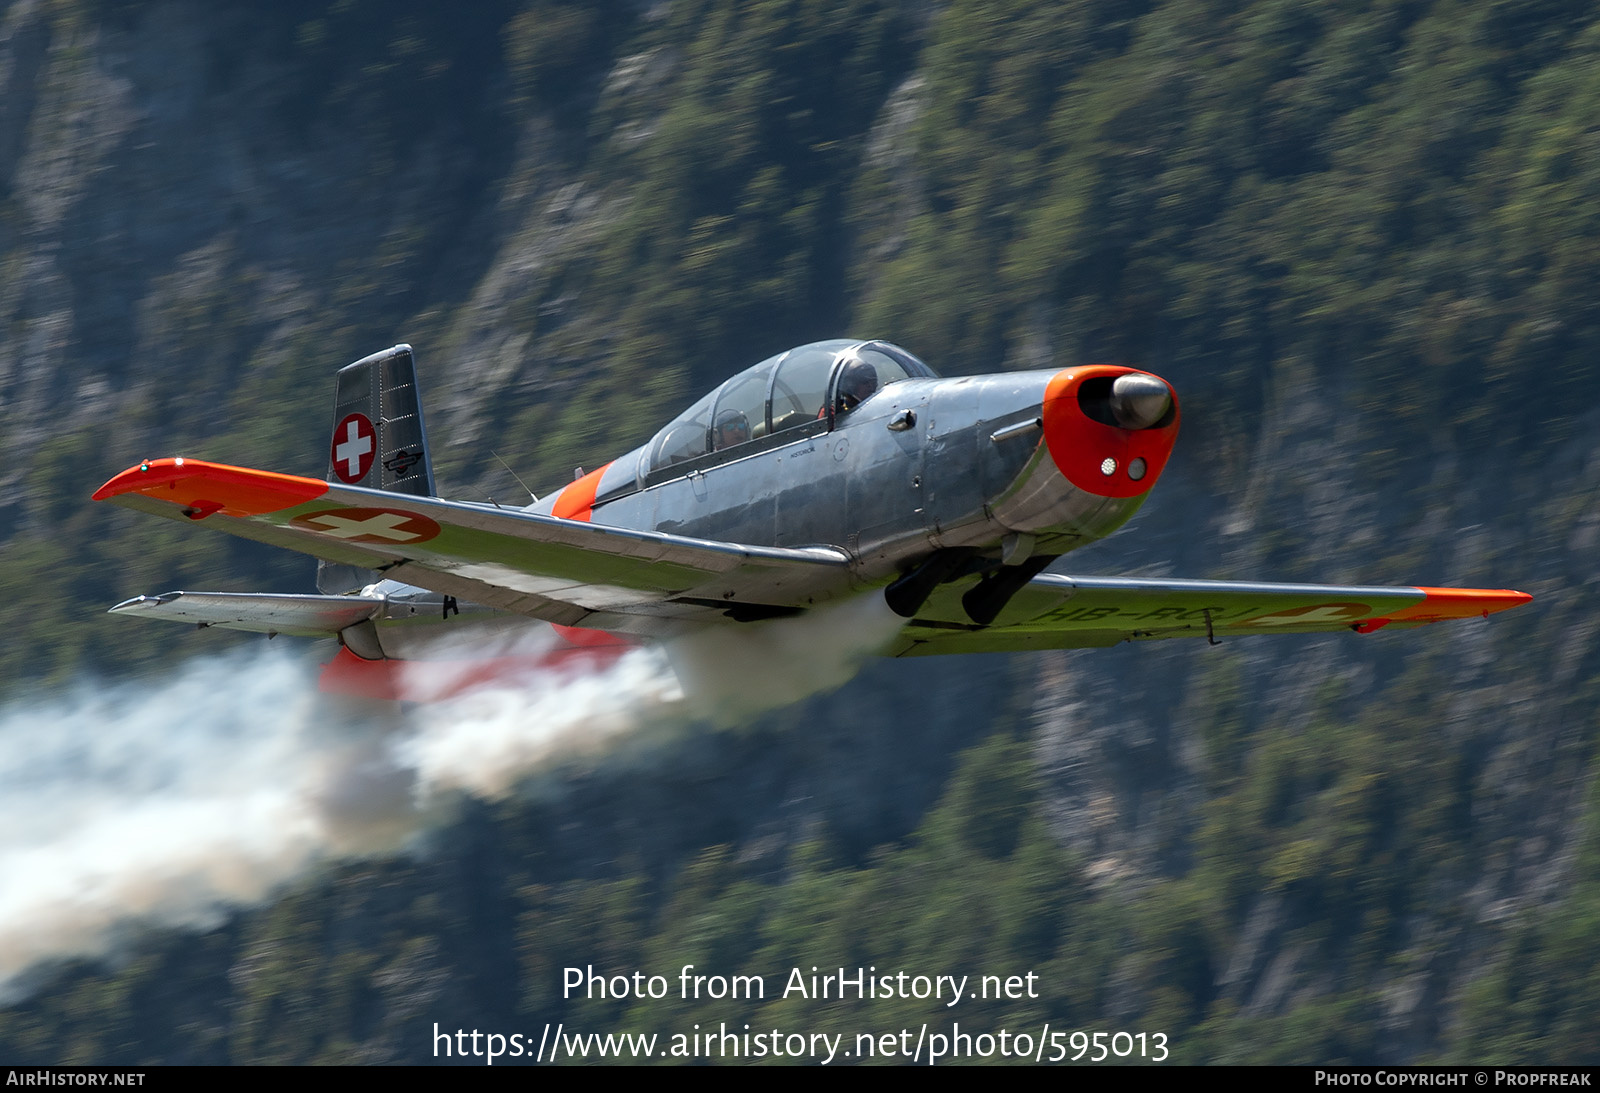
column 1460, row 603
column 202, row 488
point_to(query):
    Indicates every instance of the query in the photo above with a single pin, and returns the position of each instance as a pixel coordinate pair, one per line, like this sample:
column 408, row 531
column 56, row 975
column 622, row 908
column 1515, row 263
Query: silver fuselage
column 925, row 479
column 885, row 496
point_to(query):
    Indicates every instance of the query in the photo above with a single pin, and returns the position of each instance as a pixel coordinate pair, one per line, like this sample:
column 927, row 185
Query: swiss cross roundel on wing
column 380, row 526
column 355, row 445
column 1321, row 614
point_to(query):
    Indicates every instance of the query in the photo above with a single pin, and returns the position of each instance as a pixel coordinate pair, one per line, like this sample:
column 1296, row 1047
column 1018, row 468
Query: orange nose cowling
column 1095, row 455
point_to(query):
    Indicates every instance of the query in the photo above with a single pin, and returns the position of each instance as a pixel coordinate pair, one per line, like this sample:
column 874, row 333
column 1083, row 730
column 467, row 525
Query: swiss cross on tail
column 354, row 446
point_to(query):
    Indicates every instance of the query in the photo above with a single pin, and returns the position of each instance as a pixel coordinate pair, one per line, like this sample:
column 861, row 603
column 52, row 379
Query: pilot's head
column 732, row 428
column 857, row 383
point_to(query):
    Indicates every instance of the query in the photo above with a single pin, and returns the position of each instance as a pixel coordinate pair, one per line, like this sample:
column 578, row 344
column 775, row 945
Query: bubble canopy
column 794, row 394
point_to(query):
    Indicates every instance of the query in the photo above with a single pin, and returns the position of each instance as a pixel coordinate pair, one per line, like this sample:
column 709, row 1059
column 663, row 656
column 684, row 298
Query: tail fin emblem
column 354, row 445
column 401, row 462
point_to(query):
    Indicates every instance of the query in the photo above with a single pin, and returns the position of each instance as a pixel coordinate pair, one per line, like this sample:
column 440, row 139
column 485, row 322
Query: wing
column 1057, row 612
column 562, row 571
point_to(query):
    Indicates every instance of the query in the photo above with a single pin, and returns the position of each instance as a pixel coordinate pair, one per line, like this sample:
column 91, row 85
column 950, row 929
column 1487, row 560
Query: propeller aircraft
column 831, row 470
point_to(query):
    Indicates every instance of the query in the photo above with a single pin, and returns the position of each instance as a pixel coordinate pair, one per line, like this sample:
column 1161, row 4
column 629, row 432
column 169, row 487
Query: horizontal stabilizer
column 261, row 613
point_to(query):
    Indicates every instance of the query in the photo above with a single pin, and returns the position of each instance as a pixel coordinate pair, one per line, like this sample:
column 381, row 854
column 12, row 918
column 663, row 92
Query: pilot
column 857, row 383
column 732, row 428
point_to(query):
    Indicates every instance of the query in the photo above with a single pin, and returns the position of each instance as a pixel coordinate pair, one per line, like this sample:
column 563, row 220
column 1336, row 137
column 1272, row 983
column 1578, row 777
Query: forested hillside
column 1362, row 240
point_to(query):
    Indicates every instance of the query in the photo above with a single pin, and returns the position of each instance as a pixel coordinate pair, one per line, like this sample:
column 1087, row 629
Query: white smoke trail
column 488, row 740
column 164, row 803
column 730, row 673
column 171, row 802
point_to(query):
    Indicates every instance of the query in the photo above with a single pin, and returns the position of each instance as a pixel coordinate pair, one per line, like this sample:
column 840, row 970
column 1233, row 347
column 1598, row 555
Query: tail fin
column 378, row 438
column 379, row 441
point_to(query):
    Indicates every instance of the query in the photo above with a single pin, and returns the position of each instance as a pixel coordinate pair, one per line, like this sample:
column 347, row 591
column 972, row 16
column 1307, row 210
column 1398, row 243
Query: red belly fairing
column 438, row 679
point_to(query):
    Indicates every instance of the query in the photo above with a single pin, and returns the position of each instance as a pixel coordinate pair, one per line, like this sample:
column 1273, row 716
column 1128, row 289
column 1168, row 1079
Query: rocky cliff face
column 178, row 223
column 203, row 213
